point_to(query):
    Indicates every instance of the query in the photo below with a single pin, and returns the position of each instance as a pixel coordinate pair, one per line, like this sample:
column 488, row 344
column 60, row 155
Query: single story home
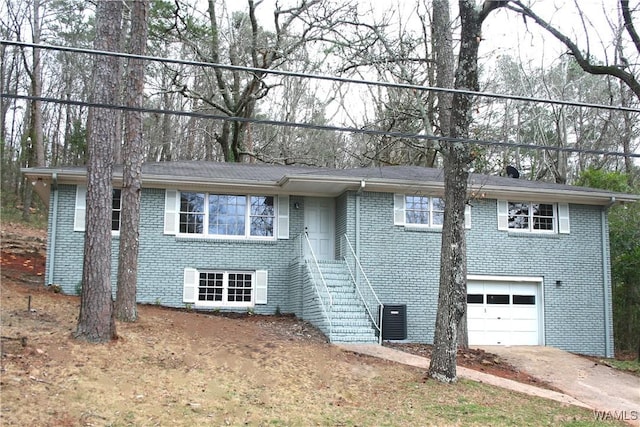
column 355, row 251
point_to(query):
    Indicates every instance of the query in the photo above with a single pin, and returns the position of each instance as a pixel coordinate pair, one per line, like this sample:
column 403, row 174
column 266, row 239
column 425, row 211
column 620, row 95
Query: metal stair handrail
column 324, row 296
column 366, row 292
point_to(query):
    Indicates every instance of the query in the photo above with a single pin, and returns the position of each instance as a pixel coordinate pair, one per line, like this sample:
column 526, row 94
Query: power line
column 320, row 76
column 330, row 128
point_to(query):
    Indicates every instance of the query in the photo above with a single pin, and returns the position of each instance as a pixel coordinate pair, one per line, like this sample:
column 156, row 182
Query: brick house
column 340, row 247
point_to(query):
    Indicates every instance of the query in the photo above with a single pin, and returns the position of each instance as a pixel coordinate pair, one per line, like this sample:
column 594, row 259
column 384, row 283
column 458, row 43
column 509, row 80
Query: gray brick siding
column 162, row 258
column 402, row 264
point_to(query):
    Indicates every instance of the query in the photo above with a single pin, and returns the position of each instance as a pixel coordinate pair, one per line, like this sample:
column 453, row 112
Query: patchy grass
column 178, row 368
column 631, row 366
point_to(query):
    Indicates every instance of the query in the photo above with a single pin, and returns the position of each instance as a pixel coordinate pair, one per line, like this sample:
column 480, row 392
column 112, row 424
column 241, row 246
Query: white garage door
column 500, row 313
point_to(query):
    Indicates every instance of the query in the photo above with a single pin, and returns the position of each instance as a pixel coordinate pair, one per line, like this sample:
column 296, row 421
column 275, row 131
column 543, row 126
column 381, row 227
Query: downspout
column 54, row 226
column 358, row 194
column 606, row 281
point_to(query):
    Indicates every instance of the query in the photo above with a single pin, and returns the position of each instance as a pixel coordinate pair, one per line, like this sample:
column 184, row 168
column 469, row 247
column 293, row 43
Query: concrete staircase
column 349, row 318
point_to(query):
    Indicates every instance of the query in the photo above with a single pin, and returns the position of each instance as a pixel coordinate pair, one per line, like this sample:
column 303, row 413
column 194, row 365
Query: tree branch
column 628, row 23
column 583, row 61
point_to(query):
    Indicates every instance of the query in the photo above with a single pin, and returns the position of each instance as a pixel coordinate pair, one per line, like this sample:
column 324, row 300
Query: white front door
column 319, row 223
column 503, row 313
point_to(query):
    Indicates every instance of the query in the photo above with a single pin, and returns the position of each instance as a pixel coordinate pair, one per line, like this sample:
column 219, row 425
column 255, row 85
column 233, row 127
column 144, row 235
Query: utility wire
column 320, row 76
column 331, row 128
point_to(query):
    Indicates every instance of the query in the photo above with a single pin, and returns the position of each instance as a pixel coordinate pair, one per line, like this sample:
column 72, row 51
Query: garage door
column 501, row 313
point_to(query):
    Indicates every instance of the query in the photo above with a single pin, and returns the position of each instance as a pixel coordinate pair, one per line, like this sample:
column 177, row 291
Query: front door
column 319, row 223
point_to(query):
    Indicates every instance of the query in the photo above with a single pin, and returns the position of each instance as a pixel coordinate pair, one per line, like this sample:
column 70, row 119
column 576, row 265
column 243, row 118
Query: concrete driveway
column 600, row 387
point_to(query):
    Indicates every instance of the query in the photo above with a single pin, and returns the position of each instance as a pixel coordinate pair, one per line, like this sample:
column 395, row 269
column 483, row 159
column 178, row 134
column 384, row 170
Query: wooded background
column 346, row 39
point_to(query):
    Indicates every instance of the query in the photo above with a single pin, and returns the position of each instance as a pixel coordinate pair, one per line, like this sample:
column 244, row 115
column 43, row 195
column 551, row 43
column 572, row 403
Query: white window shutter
column 171, row 211
column 398, row 209
column 190, row 289
column 261, row 287
column 563, row 218
column 283, row 217
column 80, row 213
column 503, row 215
column 467, row 217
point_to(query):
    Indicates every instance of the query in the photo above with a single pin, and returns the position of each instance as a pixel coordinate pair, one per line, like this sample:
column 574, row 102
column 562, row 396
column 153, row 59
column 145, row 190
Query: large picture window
column 226, row 215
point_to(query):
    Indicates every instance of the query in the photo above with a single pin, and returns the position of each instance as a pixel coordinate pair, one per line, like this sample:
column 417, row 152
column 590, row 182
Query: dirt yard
column 174, row 367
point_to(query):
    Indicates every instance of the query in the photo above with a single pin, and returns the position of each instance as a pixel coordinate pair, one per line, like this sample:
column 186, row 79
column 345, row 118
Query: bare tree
column 457, row 157
column 133, row 154
column 34, row 143
column 621, row 69
column 96, row 322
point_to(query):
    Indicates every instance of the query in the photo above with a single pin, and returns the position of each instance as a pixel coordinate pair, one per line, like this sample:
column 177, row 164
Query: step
column 354, row 339
column 361, row 325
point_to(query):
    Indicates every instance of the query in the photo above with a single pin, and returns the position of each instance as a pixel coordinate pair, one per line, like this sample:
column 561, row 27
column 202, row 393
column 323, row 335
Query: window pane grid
column 211, row 287
column 239, row 287
column 116, row 208
column 221, row 288
column 262, row 216
column 424, row 210
column 191, row 213
column 532, row 216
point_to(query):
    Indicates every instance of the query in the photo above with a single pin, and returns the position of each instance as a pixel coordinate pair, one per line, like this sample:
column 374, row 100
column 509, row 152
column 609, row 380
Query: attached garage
column 504, row 311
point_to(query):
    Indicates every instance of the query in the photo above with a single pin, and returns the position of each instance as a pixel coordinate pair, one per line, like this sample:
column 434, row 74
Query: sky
column 504, row 32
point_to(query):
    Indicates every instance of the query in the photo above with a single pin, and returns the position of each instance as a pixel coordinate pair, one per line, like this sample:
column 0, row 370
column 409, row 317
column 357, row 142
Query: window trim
column 80, row 210
column 280, row 218
column 191, row 285
column 399, row 213
column 430, row 211
column 561, row 223
column 119, row 210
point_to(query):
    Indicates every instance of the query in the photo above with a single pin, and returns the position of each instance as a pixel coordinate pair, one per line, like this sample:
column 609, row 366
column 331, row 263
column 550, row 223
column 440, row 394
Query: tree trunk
column 453, row 269
column 444, row 59
column 96, row 322
column 125, row 306
column 36, row 89
column 457, row 156
column 36, row 143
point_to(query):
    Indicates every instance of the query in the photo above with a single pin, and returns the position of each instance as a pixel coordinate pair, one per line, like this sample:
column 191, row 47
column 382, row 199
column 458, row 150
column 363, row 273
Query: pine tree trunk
column 457, row 156
column 96, row 322
column 125, row 306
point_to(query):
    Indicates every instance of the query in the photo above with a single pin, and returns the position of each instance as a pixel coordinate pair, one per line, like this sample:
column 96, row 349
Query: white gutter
column 51, row 256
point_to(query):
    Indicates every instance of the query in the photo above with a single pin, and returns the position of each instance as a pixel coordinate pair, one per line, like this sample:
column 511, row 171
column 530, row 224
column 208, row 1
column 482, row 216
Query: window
column 191, row 212
column 80, row 213
column 533, row 217
column 222, row 288
column 423, row 210
column 218, row 288
column 226, row 215
column 116, row 208
column 524, row 299
column 261, row 216
column 475, row 299
column 497, row 299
